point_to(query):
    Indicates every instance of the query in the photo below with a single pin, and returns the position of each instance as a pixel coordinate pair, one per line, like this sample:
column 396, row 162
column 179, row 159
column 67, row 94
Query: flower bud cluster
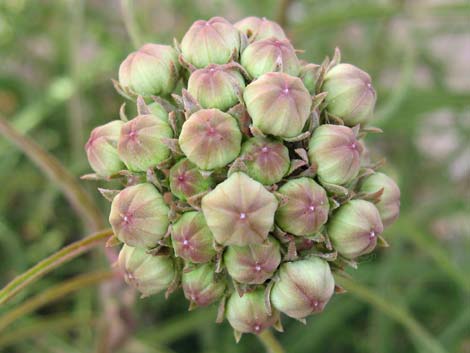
column 245, row 178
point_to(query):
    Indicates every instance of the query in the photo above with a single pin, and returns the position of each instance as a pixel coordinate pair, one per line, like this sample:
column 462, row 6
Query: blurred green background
column 56, row 61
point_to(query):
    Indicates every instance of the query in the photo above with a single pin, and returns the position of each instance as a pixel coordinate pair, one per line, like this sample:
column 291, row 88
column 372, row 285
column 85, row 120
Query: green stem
column 37, row 328
column 283, row 11
column 128, row 15
column 49, row 165
column 428, row 245
column 52, row 294
column 66, row 254
column 270, row 342
column 418, row 333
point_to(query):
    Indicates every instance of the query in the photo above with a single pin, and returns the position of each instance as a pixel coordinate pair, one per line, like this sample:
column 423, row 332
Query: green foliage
column 56, row 61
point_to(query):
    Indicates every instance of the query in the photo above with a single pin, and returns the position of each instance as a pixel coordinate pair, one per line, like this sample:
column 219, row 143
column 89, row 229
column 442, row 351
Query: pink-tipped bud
column 151, row 70
column 350, row 94
column 248, row 314
column 267, row 160
column 336, row 153
column 239, row 211
column 253, row 264
column 306, row 209
column 354, row 228
column 210, row 139
column 304, row 287
column 192, row 239
column 256, row 28
column 101, row 149
column 139, row 216
column 389, row 203
column 211, row 42
column 200, row 285
column 141, row 143
column 147, row 273
column 278, row 104
column 186, row 180
column 270, row 55
column 216, row 86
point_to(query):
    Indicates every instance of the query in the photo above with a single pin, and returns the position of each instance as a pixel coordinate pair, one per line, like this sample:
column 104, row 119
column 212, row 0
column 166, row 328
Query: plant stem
column 53, row 294
column 128, row 15
column 418, row 333
column 40, row 269
column 282, row 14
column 73, row 191
column 270, row 342
column 37, row 328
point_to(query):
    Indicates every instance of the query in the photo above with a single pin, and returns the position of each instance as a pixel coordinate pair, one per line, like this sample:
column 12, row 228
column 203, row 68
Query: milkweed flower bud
column 151, row 70
column 101, row 149
column 186, row 180
column 210, row 139
column 200, row 285
column 350, row 94
column 278, row 104
column 239, row 211
column 192, row 239
column 147, row 273
column 256, row 28
column 248, row 314
column 354, row 228
column 270, row 55
column 157, row 110
column 389, row 203
column 254, row 263
column 139, row 216
column 309, row 74
column 211, row 42
column 141, row 144
column 304, row 287
column 216, row 86
column 336, row 153
column 307, row 204
column 267, row 160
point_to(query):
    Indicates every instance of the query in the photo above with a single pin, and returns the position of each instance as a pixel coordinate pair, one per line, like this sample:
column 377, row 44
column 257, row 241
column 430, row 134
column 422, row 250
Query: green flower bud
column 336, row 153
column 216, row 86
column 200, row 285
column 248, row 314
column 210, row 139
column 354, row 228
column 147, row 273
column 101, row 149
column 139, row 216
column 186, row 180
column 270, row 55
column 140, row 143
column 389, row 204
column 192, row 239
column 350, row 94
column 278, row 104
column 304, row 287
column 210, row 42
column 157, row 110
column 309, row 74
column 306, row 209
column 267, row 160
column 151, row 70
column 239, row 211
column 256, row 28
column 254, row 263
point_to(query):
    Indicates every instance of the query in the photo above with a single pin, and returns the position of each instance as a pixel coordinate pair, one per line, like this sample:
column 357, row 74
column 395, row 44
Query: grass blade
column 66, row 254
